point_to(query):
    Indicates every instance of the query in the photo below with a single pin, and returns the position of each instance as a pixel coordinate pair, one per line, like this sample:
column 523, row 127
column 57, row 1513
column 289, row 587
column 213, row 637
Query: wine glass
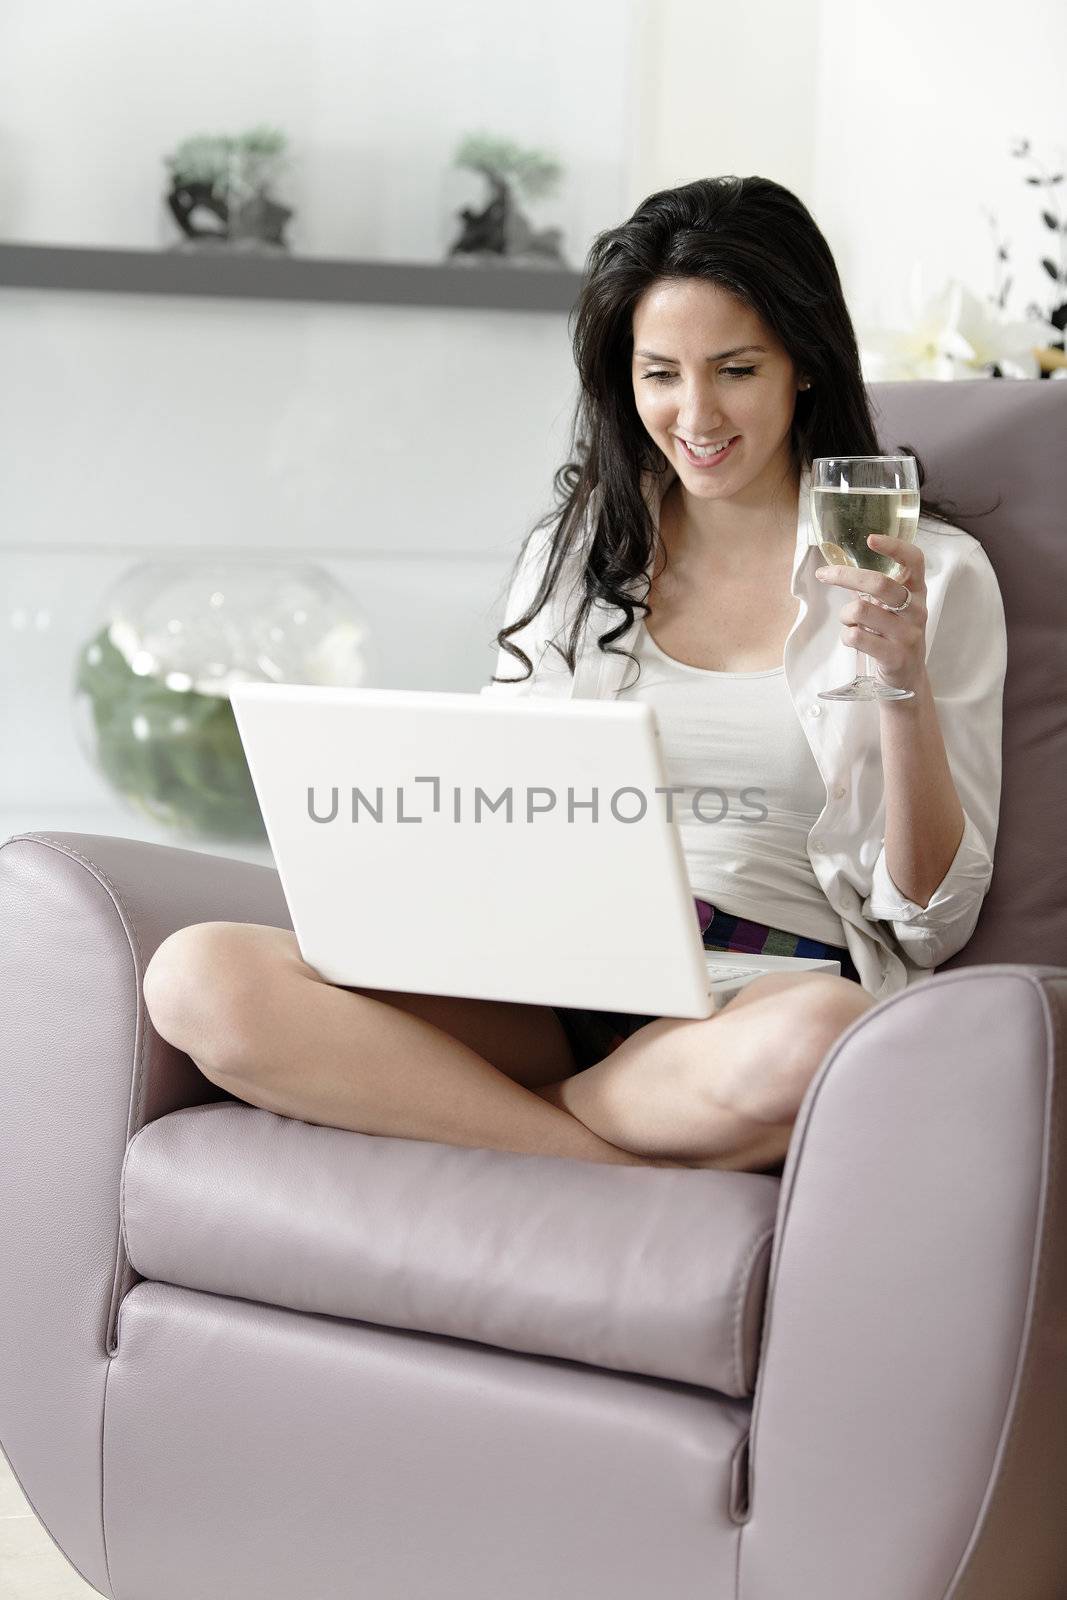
column 852, row 497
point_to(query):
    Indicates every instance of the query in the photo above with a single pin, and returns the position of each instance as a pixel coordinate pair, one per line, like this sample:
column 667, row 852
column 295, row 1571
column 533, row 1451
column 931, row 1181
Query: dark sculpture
column 260, row 218
column 228, row 179
column 501, row 230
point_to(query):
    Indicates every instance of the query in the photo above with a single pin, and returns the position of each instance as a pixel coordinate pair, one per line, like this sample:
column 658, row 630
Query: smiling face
column 728, row 378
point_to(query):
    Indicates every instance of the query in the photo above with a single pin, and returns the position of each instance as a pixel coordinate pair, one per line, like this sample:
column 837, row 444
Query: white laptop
column 442, row 843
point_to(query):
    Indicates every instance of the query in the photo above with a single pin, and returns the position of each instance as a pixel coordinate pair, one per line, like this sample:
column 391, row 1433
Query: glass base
column 866, row 689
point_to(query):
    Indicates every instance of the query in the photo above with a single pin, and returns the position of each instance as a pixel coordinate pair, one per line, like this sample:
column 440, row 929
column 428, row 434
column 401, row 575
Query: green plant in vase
column 151, row 683
column 174, row 754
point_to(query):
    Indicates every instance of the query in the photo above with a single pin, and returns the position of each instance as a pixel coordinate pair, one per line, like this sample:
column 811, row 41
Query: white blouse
column 750, row 790
column 892, row 941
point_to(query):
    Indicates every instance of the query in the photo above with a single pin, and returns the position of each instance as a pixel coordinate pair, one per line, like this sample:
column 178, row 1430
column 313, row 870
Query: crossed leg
column 241, row 1002
column 721, row 1091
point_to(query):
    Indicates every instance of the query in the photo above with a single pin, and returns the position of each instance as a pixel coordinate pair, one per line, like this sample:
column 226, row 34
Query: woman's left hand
column 894, row 640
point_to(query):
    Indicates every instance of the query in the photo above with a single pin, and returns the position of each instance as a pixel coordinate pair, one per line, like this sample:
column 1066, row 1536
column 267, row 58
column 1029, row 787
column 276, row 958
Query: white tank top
column 737, row 736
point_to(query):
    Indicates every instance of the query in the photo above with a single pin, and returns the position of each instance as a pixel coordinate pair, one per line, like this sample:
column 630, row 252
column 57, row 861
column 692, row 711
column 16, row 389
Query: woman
column 716, row 359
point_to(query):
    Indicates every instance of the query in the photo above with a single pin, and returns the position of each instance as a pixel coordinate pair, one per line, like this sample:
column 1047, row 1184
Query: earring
column 806, row 385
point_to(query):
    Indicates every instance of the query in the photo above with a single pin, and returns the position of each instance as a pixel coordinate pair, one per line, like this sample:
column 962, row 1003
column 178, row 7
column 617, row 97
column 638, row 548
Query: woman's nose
column 700, row 412
column 701, row 424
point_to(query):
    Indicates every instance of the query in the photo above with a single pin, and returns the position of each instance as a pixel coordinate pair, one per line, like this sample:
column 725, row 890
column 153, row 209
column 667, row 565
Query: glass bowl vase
column 151, row 682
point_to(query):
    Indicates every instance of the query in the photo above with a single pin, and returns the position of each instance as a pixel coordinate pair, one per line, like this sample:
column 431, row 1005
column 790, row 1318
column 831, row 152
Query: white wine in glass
column 851, row 498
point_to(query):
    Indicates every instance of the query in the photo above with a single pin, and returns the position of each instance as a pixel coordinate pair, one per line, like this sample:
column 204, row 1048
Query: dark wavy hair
column 755, row 239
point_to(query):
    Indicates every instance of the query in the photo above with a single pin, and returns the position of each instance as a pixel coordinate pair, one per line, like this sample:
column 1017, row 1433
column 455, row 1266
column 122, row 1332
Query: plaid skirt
column 592, row 1035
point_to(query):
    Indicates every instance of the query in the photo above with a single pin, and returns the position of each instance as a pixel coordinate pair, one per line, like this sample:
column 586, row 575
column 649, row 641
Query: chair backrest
column 984, row 441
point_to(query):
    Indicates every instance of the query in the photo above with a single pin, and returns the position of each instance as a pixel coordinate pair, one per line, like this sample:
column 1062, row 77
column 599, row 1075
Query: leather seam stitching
column 1024, row 1361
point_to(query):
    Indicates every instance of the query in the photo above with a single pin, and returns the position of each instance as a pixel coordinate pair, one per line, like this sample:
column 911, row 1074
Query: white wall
column 891, row 119
column 917, row 104
column 373, row 97
column 725, row 89
column 409, row 450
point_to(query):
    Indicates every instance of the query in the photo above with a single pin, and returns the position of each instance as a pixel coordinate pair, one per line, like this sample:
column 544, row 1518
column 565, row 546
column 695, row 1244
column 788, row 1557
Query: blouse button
column 839, row 791
column 816, row 844
column 815, row 711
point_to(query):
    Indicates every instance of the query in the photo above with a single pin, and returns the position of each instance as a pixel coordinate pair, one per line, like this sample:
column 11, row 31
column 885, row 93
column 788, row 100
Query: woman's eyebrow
column 722, row 356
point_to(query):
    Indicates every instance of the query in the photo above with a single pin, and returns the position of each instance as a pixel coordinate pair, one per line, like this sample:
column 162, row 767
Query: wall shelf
column 236, row 275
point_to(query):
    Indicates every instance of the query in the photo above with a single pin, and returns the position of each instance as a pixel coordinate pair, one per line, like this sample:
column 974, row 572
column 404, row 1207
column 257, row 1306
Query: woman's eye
column 730, row 372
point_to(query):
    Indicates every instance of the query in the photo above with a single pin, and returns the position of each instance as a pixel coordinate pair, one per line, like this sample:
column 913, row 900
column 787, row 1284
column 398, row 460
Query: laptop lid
column 446, row 843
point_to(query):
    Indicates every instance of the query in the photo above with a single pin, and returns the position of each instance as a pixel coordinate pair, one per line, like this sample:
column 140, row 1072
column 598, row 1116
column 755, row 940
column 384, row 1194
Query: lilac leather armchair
column 245, row 1357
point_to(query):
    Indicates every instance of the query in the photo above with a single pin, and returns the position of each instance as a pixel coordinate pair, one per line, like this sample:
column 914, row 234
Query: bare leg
column 266, row 1026
column 722, row 1091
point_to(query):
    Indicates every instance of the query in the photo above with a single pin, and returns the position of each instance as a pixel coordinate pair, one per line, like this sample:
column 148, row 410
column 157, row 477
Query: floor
column 31, row 1568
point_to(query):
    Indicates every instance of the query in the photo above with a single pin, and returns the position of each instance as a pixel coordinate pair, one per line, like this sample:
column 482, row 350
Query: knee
column 819, row 1011
column 810, row 1016
column 200, row 991
column 826, row 1007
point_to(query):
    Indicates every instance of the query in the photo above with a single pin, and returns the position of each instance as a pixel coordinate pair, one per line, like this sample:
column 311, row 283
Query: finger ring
column 904, row 604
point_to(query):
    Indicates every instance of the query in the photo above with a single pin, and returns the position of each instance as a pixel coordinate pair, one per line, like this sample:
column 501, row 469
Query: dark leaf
column 1004, row 292
column 1049, row 219
column 1057, row 179
column 1051, row 268
column 1035, row 180
column 1002, row 253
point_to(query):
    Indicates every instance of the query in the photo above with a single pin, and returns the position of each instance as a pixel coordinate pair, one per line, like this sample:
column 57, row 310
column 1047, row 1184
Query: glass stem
column 863, row 666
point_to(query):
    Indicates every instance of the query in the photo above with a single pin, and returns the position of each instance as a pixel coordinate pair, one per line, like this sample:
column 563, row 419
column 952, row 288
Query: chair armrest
column 909, row 1432
column 82, row 1070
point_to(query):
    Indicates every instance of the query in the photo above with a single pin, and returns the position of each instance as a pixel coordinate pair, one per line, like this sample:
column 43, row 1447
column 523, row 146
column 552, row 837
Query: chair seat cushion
column 654, row 1270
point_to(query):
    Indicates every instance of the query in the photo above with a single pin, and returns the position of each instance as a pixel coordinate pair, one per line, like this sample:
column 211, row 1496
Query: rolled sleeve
column 966, row 665
column 932, row 933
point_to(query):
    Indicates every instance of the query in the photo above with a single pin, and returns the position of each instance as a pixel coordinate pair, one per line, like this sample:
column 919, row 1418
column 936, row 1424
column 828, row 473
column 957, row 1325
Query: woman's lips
column 708, row 462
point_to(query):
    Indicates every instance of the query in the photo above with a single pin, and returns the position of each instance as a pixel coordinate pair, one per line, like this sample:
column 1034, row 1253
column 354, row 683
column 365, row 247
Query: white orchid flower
column 952, row 335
